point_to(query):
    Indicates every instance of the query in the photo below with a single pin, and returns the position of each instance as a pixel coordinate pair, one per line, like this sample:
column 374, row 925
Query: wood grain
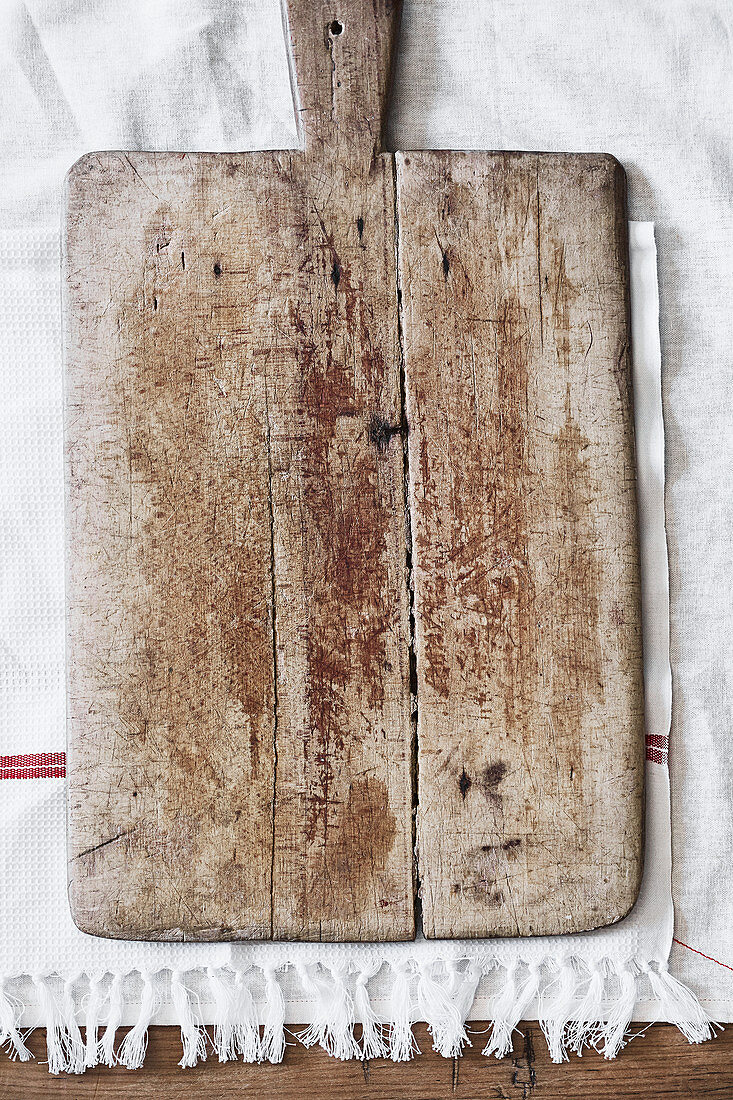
column 658, row 1064
column 170, row 671
column 530, row 738
column 240, row 735
column 239, row 712
column 343, row 862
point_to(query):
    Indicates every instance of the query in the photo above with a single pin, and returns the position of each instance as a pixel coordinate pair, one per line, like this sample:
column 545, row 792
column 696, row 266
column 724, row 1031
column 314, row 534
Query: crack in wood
column 273, row 601
column 524, row 1077
column 409, row 566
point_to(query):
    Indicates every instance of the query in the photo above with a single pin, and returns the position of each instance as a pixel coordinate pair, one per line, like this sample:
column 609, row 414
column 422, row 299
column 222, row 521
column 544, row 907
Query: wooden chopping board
column 273, row 662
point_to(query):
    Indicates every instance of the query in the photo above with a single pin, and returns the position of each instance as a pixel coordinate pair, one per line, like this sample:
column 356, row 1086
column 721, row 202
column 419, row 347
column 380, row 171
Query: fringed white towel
column 164, row 86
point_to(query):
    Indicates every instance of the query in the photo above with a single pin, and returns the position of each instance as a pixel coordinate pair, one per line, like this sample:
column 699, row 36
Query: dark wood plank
column 659, row 1064
column 514, row 281
column 239, row 711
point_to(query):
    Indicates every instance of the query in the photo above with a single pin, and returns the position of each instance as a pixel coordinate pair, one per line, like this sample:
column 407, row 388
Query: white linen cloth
column 214, row 75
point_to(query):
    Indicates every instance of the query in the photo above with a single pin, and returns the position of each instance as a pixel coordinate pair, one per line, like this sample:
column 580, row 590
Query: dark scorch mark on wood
column 507, row 846
column 494, row 774
column 381, row 432
column 490, row 780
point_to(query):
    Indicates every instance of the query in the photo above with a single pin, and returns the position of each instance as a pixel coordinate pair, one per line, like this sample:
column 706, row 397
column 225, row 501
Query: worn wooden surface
column 657, row 1065
column 238, row 634
column 239, row 713
column 513, row 271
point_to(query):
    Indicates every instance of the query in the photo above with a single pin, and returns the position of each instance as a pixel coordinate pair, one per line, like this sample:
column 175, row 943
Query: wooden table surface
column 656, row 1065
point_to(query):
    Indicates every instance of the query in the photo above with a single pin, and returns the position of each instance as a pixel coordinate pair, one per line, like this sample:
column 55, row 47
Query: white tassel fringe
column 402, row 1043
column 618, row 1016
column 333, row 1024
column 678, row 1005
column 193, row 1035
column 114, row 1017
column 91, row 1024
column 586, row 1026
column 580, row 1004
column 556, row 1004
column 247, row 1028
column 135, row 1044
column 373, row 1043
column 273, row 1036
column 225, row 1036
column 509, row 1008
column 10, row 1037
column 63, row 1039
column 436, row 1002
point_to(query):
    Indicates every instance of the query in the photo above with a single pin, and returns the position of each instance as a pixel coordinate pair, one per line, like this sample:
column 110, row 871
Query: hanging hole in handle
column 336, row 27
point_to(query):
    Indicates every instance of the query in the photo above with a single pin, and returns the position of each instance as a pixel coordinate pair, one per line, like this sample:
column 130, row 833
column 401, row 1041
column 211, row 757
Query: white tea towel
column 215, row 75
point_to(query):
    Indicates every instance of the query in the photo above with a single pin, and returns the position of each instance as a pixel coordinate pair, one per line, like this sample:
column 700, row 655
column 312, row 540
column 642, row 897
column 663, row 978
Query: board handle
column 342, row 52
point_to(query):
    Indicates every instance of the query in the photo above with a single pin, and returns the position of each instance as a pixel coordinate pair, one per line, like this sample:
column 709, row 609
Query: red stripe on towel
column 36, row 765
column 656, row 748
column 708, row 957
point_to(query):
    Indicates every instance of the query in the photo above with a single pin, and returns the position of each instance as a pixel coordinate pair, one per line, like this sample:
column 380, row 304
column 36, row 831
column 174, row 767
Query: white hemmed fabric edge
column 583, row 989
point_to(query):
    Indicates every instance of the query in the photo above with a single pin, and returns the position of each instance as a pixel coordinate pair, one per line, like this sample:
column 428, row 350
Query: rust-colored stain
column 249, row 394
column 523, row 520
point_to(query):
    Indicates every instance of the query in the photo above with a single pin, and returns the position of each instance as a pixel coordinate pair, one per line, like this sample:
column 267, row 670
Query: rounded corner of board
column 625, row 900
column 612, row 163
column 83, row 920
column 617, row 173
column 90, row 170
column 82, row 168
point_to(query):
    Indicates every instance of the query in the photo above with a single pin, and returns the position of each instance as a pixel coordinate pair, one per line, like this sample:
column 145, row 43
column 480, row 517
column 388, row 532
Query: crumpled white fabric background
column 649, row 82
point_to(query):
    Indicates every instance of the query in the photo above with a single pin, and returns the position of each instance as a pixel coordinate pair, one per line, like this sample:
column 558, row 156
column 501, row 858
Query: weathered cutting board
column 246, row 403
